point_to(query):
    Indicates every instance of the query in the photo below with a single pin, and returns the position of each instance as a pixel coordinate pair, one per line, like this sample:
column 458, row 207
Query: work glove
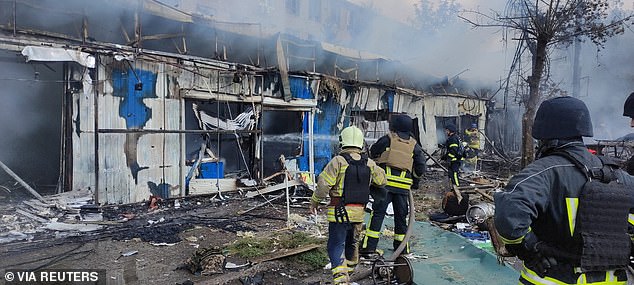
column 536, row 254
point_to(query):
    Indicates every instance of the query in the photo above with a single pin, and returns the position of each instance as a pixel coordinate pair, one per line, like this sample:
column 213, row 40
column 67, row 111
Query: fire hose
column 396, row 268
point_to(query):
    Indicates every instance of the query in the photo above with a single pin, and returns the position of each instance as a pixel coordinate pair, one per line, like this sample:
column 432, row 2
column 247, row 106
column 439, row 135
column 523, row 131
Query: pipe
column 24, row 184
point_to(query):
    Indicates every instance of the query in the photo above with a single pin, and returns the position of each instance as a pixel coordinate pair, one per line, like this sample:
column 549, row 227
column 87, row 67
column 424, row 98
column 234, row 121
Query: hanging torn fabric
column 244, row 121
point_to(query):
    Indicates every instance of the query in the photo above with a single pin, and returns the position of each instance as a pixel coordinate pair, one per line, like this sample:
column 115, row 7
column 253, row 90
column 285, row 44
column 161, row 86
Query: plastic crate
column 212, row 170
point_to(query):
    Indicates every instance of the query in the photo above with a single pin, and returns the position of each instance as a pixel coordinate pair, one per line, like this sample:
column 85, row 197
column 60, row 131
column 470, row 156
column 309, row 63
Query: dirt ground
column 127, row 245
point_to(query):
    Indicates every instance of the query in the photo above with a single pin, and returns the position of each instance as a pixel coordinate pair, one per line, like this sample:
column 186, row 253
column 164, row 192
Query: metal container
column 477, row 214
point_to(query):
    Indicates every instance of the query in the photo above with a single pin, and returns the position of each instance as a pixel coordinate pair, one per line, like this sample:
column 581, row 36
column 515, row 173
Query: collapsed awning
column 35, row 53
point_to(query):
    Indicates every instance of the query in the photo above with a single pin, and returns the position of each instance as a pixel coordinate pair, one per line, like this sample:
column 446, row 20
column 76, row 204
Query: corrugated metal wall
column 132, row 164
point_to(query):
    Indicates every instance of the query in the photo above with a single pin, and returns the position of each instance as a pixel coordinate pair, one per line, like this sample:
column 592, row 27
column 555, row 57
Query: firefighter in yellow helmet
column 346, row 179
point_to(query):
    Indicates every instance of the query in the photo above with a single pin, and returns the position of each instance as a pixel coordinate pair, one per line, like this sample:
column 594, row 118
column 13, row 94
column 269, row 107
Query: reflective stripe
column 399, row 237
column 533, row 278
column 315, row 199
column 630, row 218
column 453, row 145
column 398, row 181
column 329, row 179
column 372, row 234
column 343, row 279
column 451, row 155
column 572, row 204
column 399, row 185
column 455, row 177
column 512, row 241
column 339, row 269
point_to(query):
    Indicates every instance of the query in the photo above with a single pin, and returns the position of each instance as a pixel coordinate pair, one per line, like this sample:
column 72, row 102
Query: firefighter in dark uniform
column 454, row 153
column 559, row 214
column 346, row 179
column 404, row 163
column 628, row 109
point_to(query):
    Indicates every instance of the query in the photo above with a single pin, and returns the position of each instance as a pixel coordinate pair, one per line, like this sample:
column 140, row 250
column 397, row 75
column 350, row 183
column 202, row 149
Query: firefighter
column 472, row 136
column 628, row 109
column 454, row 154
column 346, row 179
column 403, row 161
column 553, row 213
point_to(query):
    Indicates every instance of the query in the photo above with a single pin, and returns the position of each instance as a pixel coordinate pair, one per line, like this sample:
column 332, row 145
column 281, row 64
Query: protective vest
column 356, row 186
column 602, row 218
column 400, row 153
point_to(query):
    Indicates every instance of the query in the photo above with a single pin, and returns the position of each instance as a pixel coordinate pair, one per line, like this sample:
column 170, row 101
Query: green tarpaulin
column 451, row 258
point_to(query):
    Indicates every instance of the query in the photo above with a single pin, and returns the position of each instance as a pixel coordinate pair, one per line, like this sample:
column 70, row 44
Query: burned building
column 146, row 98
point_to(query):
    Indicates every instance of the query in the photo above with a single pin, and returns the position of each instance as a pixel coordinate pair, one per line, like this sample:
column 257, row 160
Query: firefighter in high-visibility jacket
column 404, row 162
column 472, row 136
column 346, row 179
column 566, row 214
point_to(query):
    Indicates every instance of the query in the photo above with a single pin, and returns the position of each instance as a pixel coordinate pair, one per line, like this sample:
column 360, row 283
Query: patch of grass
column 296, row 239
column 250, row 247
column 312, row 260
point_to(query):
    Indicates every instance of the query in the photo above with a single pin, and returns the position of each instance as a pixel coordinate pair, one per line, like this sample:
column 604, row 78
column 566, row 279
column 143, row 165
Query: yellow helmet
column 351, row 136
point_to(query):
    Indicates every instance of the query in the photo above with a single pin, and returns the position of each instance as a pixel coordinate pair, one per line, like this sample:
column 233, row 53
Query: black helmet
column 628, row 107
column 401, row 123
column 562, row 117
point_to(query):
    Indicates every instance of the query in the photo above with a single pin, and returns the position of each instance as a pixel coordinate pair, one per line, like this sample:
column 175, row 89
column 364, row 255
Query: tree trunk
column 539, row 60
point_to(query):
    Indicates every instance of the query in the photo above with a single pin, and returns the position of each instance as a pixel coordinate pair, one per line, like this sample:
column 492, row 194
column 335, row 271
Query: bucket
column 477, row 214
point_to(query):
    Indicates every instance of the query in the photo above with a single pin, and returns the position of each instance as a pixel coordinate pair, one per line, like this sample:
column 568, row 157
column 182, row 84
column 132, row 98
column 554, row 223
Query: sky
column 484, row 57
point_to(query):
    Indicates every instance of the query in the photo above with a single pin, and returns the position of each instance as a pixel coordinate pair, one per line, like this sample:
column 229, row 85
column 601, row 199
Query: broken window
column 441, row 122
column 282, row 135
column 374, row 123
column 236, row 151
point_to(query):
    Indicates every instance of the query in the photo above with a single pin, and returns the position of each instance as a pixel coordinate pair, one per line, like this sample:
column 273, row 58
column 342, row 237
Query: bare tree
column 539, row 26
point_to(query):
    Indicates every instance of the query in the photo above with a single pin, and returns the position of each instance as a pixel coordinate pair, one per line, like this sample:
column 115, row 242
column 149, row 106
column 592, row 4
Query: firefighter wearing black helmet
column 628, row 109
column 550, row 214
column 454, row 154
column 403, row 161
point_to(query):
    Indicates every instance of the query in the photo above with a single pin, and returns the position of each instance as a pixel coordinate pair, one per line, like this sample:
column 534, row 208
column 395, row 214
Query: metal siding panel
column 135, row 165
column 83, row 140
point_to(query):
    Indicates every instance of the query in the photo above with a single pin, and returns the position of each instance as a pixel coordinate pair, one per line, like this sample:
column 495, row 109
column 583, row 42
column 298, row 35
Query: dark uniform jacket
column 453, row 148
column 541, row 199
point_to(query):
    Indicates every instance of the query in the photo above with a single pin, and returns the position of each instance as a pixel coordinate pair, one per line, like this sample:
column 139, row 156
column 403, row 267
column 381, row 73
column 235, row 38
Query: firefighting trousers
column 400, row 204
column 343, row 248
column 453, row 170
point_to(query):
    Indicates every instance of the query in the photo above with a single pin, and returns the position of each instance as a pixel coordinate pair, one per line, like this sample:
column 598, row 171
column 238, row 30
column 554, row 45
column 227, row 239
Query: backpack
column 356, row 186
column 356, row 183
column 602, row 217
